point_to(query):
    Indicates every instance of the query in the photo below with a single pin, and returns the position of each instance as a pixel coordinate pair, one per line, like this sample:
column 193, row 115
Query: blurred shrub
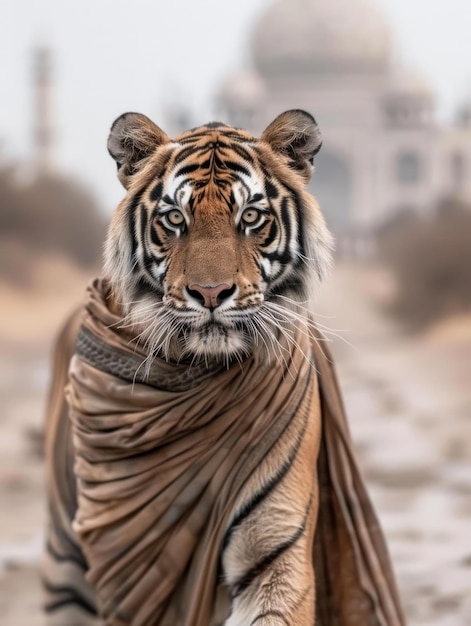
column 48, row 215
column 431, row 260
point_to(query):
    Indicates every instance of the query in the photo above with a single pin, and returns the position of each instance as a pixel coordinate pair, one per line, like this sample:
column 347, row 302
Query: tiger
column 277, row 245
column 209, row 258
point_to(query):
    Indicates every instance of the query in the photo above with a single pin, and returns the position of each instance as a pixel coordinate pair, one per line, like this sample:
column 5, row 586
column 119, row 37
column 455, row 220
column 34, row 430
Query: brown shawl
column 161, row 458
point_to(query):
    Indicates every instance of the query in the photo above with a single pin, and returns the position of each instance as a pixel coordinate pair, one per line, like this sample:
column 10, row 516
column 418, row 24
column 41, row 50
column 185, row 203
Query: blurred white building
column 383, row 151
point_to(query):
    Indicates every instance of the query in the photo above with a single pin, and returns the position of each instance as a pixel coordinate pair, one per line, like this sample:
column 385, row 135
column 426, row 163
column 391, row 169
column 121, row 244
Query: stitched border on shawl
column 128, row 367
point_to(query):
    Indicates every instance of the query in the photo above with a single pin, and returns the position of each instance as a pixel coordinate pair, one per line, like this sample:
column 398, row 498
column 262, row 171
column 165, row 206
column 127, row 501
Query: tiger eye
column 250, row 216
column 175, row 217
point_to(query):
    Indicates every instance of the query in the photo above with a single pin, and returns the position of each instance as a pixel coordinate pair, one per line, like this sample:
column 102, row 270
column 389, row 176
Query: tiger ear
column 296, row 135
column 132, row 138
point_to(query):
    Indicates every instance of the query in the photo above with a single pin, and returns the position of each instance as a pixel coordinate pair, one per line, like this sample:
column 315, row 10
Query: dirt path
column 409, row 404
column 22, row 506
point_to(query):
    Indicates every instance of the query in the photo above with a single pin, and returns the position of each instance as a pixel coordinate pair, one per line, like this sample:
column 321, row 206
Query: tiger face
column 217, row 234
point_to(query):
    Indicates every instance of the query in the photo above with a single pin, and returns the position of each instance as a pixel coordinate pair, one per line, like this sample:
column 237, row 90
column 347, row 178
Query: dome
column 305, row 37
column 243, row 89
column 405, row 82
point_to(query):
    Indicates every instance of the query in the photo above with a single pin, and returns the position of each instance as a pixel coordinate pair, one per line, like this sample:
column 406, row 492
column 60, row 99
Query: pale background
column 113, row 56
column 407, row 389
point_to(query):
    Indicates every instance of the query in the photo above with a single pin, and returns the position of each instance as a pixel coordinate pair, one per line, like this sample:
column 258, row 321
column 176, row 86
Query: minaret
column 42, row 113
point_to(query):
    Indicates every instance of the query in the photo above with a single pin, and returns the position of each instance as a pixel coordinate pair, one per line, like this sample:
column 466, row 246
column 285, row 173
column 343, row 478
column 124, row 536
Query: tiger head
column 217, row 235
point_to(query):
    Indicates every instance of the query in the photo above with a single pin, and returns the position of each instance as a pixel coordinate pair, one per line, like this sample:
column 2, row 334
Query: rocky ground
column 409, row 402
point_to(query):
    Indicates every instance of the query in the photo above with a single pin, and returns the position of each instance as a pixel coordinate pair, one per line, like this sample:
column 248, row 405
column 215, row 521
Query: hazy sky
column 111, row 56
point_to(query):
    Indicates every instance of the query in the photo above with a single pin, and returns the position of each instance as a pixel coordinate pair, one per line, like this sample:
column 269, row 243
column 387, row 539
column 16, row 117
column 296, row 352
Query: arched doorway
column 332, row 186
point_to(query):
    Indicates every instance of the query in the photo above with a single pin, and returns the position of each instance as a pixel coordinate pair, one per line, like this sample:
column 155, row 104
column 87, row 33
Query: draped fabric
column 161, row 457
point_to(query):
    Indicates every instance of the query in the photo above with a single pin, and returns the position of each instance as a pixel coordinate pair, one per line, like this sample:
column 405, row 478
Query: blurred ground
column 29, row 319
column 408, row 399
column 409, row 403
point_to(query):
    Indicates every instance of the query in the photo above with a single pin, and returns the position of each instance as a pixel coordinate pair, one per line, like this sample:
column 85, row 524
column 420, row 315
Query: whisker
column 276, row 324
column 289, row 338
column 311, row 323
column 300, row 303
column 285, row 313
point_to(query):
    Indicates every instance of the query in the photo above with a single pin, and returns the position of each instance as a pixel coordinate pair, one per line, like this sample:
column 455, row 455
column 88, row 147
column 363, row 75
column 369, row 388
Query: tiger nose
column 211, row 297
